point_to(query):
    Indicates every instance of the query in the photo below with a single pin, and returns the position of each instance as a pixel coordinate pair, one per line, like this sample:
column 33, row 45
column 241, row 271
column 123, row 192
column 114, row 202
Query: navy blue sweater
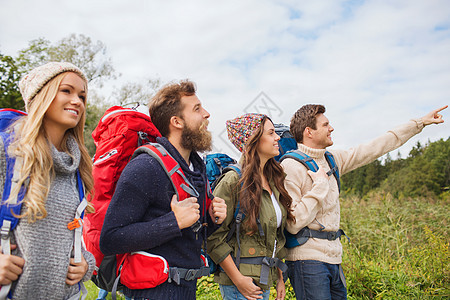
column 139, row 218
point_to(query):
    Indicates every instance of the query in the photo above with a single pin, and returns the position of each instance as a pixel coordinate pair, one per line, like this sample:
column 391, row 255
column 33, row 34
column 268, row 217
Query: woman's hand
column 11, row 267
column 243, row 283
column 248, row 289
column 281, row 288
column 76, row 271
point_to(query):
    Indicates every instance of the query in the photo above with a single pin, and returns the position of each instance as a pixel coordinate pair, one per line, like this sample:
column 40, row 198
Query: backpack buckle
column 77, row 222
column 190, row 274
column 5, row 231
column 196, row 226
column 331, row 236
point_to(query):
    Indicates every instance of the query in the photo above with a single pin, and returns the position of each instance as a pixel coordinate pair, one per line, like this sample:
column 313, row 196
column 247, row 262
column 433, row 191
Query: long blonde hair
column 30, row 143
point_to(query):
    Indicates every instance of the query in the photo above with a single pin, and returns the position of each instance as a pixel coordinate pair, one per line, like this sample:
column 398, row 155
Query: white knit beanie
column 34, row 81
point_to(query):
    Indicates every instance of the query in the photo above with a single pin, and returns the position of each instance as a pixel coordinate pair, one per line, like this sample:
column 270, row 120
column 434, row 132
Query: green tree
column 375, row 174
column 426, row 172
column 80, row 50
column 9, row 77
column 96, row 107
column 416, row 150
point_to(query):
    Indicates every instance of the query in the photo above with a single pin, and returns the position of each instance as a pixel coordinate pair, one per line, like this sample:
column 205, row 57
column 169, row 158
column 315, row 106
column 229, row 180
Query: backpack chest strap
column 305, row 233
column 176, row 274
column 266, row 264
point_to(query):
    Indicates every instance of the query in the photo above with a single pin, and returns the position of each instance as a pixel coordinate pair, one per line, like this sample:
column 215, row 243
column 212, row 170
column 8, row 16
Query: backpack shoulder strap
column 182, row 187
column 310, row 164
column 333, row 168
column 9, row 211
column 302, row 158
column 76, row 224
column 234, row 168
column 12, row 176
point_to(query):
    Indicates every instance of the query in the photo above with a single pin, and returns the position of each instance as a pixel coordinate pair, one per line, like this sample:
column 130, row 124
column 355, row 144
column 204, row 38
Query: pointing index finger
column 440, row 109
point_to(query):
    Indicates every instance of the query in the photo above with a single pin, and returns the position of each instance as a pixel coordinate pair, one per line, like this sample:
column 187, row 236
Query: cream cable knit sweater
column 318, row 202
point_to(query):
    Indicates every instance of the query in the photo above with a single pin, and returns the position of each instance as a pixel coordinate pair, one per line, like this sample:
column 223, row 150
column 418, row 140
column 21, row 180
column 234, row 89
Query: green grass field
column 399, row 250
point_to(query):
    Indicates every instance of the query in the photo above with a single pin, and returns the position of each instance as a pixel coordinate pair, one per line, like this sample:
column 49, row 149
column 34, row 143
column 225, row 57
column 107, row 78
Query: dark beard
column 199, row 140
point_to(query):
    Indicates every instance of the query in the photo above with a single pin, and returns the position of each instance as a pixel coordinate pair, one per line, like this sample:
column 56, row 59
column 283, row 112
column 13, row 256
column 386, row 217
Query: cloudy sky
column 373, row 64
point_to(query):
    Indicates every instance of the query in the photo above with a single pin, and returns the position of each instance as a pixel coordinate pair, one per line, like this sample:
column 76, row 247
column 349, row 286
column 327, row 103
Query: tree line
column 425, row 172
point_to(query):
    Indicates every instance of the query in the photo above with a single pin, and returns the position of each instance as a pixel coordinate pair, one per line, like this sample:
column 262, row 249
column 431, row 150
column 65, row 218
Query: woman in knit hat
column 48, row 260
column 250, row 258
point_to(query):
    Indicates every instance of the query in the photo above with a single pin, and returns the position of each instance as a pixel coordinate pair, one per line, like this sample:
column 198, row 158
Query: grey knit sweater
column 46, row 245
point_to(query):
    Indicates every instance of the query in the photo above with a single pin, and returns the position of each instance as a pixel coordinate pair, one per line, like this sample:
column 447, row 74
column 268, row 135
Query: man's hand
column 319, row 174
column 433, row 117
column 218, row 210
column 186, row 212
column 76, row 271
column 10, row 267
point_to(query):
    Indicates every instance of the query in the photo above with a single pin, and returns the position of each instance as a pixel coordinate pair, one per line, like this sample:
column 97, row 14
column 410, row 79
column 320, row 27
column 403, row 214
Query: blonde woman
column 48, row 261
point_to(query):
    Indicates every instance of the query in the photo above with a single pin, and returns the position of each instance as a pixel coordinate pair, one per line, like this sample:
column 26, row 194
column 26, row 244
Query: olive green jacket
column 251, row 245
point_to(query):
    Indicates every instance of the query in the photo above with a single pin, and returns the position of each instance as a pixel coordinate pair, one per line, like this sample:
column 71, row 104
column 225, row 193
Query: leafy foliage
column 9, row 77
column 80, row 50
column 425, row 172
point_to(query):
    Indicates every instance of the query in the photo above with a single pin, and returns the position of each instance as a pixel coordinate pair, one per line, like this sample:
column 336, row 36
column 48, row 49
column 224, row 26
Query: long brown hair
column 251, row 181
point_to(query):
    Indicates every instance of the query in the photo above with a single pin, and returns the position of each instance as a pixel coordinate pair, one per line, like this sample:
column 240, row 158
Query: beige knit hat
column 34, row 81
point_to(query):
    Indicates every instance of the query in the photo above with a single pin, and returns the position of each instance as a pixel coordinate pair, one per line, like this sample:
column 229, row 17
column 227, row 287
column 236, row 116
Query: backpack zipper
column 166, row 266
column 105, row 156
column 119, row 111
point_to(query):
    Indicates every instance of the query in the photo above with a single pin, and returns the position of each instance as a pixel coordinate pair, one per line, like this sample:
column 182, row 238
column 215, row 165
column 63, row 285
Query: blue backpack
column 305, row 233
column 10, row 211
column 286, row 142
column 215, row 166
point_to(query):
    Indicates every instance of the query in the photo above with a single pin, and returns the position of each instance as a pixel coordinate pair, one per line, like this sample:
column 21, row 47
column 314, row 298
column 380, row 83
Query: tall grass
column 399, row 249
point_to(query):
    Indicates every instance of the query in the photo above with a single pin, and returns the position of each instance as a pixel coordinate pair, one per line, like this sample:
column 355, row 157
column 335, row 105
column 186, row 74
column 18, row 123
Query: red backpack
column 119, row 132
column 119, row 136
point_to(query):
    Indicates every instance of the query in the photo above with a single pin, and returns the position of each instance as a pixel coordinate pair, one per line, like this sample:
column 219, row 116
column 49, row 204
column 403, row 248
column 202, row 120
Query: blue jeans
column 316, row 280
column 231, row 292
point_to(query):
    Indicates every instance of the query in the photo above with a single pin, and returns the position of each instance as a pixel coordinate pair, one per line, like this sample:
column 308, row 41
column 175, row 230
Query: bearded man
column 145, row 215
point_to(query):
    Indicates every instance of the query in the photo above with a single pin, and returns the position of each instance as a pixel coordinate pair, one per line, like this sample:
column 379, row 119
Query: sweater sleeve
column 139, row 216
column 218, row 248
column 305, row 206
column 366, row 153
column 91, row 264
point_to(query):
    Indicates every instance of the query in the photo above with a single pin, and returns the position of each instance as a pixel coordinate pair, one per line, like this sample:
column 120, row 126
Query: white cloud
column 374, row 64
